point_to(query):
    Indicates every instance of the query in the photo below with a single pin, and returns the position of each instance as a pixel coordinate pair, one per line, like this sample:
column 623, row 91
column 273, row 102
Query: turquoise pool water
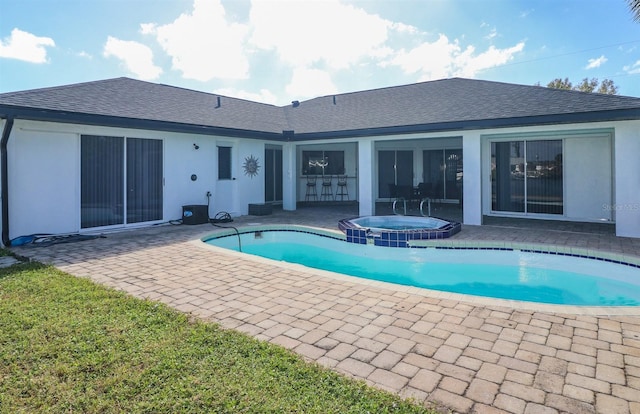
column 377, row 223
column 505, row 274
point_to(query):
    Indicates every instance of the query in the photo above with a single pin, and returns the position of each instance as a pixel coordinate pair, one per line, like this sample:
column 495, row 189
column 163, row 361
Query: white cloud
column 492, row 34
column 433, row 60
column 526, row 13
column 443, row 58
column 469, row 65
column 596, row 63
column 312, row 40
column 137, row 57
column 633, row 69
column 202, row 44
column 147, row 28
column 403, row 28
column 25, row 46
column 308, row 83
column 312, row 32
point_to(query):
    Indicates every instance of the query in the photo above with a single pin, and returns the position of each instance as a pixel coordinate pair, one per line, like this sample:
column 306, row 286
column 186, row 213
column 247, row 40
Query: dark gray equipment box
column 262, row 209
column 195, row 214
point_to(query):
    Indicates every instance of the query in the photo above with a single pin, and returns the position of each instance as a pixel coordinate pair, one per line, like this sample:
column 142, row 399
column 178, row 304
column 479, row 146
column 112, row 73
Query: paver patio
column 467, row 356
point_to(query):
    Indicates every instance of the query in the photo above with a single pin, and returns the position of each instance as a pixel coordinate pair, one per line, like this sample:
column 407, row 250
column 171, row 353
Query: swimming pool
column 499, row 273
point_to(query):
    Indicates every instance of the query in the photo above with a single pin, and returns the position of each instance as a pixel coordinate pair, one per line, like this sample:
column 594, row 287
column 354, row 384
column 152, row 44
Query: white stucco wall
column 44, row 171
column 2, row 124
column 250, row 189
column 181, row 160
column 44, row 175
column 289, row 186
column 626, row 208
column 44, row 195
column 472, row 179
column 588, row 180
column 366, row 177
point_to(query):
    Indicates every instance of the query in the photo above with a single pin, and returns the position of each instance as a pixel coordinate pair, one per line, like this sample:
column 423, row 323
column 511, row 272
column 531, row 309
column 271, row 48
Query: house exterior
column 122, row 152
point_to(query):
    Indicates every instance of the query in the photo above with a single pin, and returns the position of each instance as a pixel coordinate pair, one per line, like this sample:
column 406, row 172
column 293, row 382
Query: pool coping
column 448, row 244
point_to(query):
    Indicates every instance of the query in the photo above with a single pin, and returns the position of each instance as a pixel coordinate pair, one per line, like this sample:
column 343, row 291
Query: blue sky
column 279, row 51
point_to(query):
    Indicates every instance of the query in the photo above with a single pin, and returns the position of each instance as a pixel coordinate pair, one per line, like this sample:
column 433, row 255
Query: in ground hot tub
column 396, row 231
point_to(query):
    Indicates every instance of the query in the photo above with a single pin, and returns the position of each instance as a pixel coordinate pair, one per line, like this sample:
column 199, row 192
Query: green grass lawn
column 69, row 345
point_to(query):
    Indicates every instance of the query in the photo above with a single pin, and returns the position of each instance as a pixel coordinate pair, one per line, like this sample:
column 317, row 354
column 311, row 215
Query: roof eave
column 47, row 115
column 572, row 118
column 37, row 114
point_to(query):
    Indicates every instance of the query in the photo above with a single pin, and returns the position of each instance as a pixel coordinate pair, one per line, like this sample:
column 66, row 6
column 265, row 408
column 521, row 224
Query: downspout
column 6, row 133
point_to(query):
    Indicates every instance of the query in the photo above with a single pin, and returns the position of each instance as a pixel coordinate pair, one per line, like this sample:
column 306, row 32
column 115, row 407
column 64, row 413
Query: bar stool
column 327, row 190
column 342, row 190
column 312, row 190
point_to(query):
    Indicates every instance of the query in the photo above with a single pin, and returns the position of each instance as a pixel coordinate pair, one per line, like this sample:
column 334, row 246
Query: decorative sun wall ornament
column 251, row 166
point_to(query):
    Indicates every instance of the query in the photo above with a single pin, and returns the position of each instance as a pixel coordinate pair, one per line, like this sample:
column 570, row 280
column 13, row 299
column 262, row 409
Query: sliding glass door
column 273, row 175
column 144, row 180
column 395, row 169
column 527, row 177
column 507, row 176
column 121, row 181
column 102, row 181
column 442, row 173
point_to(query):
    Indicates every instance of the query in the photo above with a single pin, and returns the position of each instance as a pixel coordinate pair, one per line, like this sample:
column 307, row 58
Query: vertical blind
column 544, row 177
column 104, row 180
column 102, row 183
column 144, row 180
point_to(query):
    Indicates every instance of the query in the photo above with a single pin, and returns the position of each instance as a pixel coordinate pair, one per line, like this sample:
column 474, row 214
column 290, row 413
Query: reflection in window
column 322, row 162
column 442, row 173
column 544, row 177
column 526, row 177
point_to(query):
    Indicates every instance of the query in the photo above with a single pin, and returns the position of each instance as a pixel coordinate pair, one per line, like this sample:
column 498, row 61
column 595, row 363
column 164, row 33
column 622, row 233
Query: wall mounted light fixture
column 196, row 146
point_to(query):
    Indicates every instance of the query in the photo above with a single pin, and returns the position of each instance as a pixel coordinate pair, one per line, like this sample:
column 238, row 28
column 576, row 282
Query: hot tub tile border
column 395, row 238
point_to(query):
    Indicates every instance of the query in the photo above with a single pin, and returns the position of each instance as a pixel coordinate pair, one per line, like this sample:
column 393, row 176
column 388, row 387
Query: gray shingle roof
column 444, row 104
column 129, row 98
column 456, row 101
